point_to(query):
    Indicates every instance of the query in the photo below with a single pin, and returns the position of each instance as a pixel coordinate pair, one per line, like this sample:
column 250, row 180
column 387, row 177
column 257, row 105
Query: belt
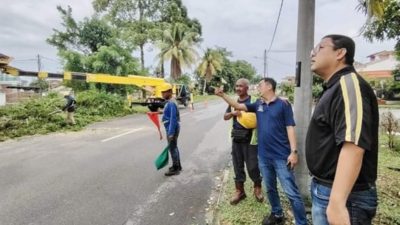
column 356, row 187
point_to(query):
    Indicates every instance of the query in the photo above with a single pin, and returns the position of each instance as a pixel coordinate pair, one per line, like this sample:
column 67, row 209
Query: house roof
column 5, row 59
column 384, row 52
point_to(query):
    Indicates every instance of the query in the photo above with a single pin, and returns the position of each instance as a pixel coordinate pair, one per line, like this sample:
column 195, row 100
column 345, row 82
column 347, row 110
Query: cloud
column 243, row 27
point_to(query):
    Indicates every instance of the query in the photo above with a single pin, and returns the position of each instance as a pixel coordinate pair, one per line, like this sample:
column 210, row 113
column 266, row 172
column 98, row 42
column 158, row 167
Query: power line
column 272, row 41
column 276, row 27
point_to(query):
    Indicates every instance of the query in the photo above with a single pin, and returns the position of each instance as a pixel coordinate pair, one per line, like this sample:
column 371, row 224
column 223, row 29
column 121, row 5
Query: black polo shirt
column 346, row 112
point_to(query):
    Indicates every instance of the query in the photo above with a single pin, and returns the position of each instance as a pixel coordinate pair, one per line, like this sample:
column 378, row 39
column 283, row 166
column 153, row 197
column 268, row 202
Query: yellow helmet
column 248, row 120
column 165, row 87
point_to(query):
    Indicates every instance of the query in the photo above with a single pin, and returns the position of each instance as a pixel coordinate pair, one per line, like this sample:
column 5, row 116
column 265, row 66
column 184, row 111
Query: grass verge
column 249, row 212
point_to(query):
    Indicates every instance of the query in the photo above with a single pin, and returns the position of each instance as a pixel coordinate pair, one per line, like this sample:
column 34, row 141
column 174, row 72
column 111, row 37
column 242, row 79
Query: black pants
column 244, row 153
column 173, row 149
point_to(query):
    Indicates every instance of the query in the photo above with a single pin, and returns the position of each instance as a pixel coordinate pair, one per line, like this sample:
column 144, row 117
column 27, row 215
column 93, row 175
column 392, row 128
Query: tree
column 84, row 37
column 135, row 18
column 387, row 27
column 179, row 47
column 210, row 64
column 172, row 12
column 92, row 46
column 372, row 8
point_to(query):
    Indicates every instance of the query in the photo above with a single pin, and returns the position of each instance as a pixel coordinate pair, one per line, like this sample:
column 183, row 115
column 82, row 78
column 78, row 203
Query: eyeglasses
column 318, row 48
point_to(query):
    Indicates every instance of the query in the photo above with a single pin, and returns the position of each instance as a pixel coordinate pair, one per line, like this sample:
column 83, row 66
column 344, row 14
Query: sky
column 244, row 27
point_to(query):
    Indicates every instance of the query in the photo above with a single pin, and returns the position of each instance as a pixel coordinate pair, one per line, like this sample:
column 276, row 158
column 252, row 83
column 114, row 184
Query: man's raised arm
column 219, row 92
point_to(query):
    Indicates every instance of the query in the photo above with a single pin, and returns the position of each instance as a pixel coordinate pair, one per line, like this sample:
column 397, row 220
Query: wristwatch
column 294, row 151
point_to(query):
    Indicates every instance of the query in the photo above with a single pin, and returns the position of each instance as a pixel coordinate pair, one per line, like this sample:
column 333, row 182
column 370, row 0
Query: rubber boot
column 239, row 195
column 258, row 192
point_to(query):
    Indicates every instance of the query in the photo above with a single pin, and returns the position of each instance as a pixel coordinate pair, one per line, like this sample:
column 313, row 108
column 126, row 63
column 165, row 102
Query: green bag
column 162, row 159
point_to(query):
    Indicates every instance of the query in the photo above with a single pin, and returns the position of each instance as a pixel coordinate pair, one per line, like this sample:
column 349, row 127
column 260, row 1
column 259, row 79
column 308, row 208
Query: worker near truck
column 171, row 120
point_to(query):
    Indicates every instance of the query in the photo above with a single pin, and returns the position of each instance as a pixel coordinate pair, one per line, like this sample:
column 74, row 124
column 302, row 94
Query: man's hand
column 337, row 214
column 292, row 160
column 236, row 113
column 219, row 91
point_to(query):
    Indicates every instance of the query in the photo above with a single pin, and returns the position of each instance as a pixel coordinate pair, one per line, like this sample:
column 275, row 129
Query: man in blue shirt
column 277, row 154
column 170, row 119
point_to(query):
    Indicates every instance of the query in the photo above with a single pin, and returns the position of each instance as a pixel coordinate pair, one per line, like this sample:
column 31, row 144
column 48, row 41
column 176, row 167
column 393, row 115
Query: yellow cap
column 248, row 120
column 165, row 87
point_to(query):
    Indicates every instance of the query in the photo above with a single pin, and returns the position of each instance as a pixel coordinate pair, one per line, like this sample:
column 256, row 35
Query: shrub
column 37, row 116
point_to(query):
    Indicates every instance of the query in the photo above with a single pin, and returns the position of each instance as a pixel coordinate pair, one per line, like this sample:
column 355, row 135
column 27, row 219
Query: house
column 379, row 67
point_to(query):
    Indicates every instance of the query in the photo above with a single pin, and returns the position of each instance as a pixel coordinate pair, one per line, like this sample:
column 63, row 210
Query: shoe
column 258, row 193
column 172, row 172
column 273, row 220
column 179, row 167
column 239, row 194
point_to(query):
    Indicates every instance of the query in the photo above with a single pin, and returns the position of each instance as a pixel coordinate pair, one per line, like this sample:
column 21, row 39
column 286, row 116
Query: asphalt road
column 105, row 173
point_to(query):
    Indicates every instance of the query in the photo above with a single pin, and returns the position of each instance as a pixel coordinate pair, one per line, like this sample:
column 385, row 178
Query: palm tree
column 178, row 46
column 210, row 64
column 372, row 8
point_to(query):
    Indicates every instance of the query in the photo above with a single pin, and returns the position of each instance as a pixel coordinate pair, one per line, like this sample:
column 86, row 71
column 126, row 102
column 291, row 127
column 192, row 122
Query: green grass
column 202, row 98
column 249, row 212
column 390, row 106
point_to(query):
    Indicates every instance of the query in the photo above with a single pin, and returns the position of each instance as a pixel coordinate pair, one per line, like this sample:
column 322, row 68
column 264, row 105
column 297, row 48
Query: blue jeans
column 270, row 170
column 360, row 204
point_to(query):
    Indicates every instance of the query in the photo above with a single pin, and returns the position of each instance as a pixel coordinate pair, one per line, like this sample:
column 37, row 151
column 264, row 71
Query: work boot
column 273, row 220
column 239, row 194
column 258, row 192
column 178, row 166
column 172, row 171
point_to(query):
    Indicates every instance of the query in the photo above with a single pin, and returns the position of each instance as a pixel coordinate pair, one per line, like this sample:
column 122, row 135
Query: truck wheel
column 153, row 108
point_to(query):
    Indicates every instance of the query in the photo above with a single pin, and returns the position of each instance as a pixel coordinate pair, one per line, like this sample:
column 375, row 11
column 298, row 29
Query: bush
column 390, row 126
column 37, row 116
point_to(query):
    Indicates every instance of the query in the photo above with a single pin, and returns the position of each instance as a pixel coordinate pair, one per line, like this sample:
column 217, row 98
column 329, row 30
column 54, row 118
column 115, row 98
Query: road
column 105, row 173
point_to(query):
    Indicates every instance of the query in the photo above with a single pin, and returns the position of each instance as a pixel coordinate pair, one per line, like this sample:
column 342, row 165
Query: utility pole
column 39, row 63
column 265, row 63
column 302, row 92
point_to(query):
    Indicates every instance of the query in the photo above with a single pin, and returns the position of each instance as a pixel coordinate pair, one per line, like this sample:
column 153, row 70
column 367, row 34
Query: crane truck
column 150, row 84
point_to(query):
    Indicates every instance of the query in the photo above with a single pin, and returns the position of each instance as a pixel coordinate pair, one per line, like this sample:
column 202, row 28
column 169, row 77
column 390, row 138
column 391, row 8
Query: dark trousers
column 173, row 149
column 244, row 153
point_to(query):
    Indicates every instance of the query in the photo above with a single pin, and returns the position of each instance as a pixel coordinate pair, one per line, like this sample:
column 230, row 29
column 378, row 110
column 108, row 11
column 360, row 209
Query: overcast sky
column 244, row 27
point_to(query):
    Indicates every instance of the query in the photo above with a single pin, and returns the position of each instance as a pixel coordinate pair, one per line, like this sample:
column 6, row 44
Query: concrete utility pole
column 303, row 93
column 39, row 63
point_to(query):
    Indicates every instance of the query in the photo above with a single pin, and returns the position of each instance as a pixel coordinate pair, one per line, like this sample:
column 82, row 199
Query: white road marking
column 120, row 135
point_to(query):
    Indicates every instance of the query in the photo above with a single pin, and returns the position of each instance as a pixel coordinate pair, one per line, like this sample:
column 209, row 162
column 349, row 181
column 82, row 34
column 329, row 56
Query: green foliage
column 317, row 86
column 178, row 46
column 92, row 46
column 210, row 64
column 230, row 70
column 144, row 21
column 184, row 79
column 40, row 83
column 389, row 125
column 84, row 37
column 287, row 90
column 388, row 27
column 37, row 116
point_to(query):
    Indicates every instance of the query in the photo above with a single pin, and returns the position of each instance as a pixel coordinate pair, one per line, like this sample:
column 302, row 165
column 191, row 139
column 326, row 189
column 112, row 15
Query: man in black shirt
column 342, row 138
column 244, row 147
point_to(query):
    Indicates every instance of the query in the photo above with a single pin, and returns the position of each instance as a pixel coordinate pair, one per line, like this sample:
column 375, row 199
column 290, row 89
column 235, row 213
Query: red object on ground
column 154, row 117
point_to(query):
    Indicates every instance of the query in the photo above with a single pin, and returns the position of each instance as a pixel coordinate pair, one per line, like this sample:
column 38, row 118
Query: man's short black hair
column 341, row 41
column 270, row 81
